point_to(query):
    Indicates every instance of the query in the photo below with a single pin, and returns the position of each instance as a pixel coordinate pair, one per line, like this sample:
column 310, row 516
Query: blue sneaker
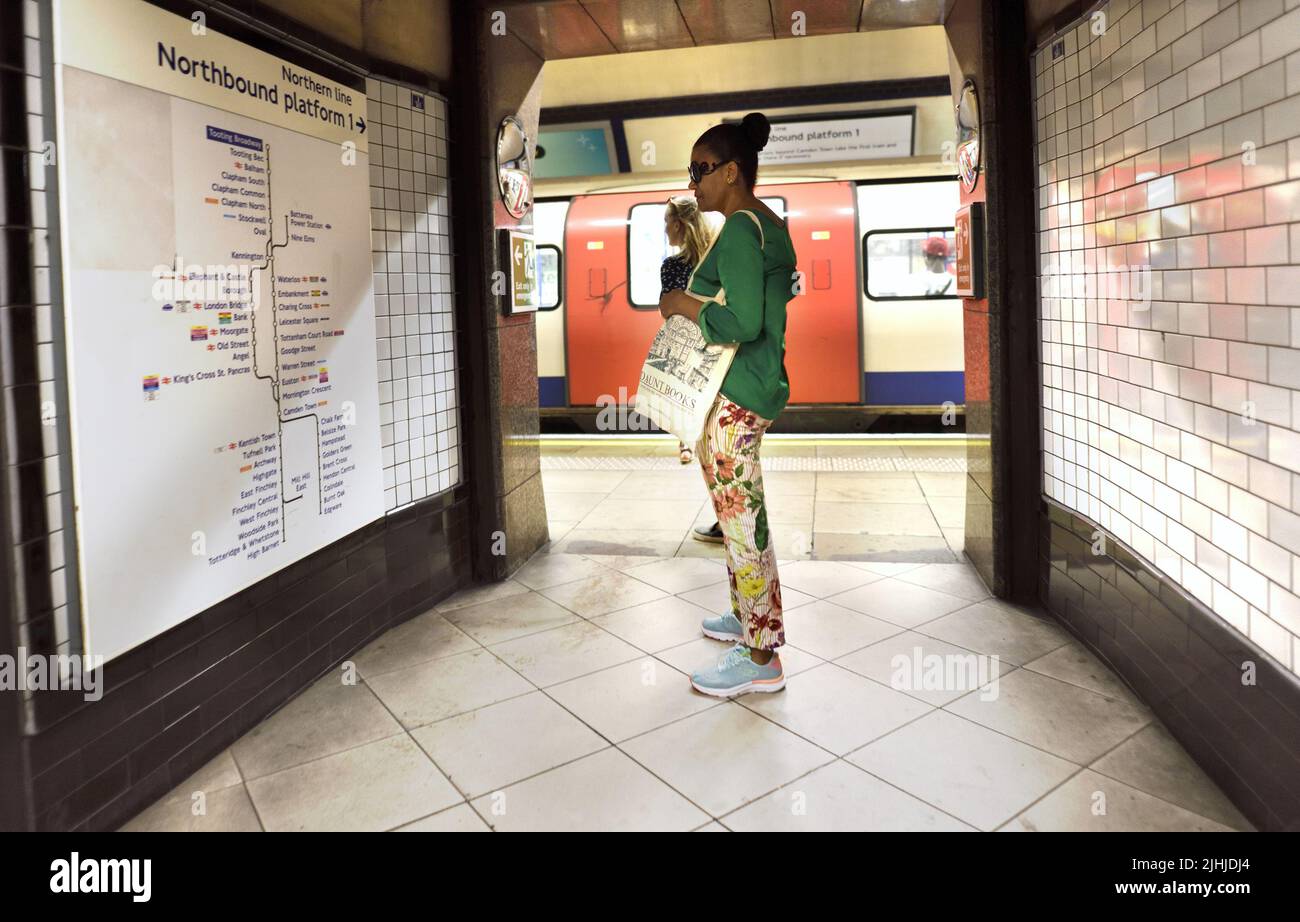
column 735, row 673
column 723, row 627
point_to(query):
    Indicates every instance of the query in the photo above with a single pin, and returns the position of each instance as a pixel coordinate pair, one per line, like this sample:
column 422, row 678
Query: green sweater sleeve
column 740, row 271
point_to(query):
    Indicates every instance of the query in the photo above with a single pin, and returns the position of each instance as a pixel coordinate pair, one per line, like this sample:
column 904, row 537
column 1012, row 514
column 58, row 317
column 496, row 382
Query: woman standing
column 753, row 265
column 686, row 229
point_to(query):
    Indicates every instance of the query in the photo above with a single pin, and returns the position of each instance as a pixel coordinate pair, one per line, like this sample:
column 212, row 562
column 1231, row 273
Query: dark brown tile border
column 1183, row 661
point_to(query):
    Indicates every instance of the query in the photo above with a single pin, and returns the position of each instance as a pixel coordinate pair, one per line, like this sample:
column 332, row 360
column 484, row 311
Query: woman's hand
column 678, row 302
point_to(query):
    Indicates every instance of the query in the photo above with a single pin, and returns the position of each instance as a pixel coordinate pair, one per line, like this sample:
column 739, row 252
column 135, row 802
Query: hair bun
column 757, row 129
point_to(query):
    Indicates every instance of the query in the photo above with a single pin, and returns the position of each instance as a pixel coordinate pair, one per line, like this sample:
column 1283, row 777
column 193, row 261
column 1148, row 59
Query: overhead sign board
column 857, row 137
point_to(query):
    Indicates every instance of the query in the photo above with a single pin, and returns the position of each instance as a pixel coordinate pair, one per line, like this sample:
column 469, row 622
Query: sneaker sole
column 760, row 685
column 707, row 539
column 720, row 635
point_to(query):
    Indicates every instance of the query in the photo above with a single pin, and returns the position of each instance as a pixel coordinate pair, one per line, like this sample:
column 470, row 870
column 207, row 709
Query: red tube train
column 874, row 327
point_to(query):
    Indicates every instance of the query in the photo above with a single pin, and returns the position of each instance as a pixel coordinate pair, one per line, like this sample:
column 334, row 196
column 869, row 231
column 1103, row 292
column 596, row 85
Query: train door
column 548, row 230
column 911, row 319
column 613, row 245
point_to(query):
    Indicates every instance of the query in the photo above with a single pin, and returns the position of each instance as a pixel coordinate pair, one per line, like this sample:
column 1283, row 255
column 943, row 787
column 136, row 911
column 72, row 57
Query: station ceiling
column 581, row 28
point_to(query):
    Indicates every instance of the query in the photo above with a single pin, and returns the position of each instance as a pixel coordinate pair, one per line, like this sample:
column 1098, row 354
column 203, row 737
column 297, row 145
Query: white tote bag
column 682, row 372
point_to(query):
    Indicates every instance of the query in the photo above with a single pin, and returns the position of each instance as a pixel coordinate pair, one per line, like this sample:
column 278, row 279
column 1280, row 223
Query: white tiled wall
column 1170, row 142
column 39, row 128
column 411, row 239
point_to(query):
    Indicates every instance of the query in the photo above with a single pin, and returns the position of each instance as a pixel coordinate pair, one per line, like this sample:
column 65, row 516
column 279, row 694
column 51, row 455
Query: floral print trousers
column 728, row 453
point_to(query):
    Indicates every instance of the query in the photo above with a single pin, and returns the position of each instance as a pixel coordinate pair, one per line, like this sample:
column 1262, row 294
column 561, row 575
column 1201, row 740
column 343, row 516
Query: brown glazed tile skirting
column 1184, row 662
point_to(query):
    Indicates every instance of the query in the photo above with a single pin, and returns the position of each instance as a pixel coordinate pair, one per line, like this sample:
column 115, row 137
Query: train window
column 777, row 204
column 549, row 277
column 909, row 264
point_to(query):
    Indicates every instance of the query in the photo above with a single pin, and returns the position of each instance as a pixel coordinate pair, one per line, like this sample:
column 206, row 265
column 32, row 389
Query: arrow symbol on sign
column 361, row 123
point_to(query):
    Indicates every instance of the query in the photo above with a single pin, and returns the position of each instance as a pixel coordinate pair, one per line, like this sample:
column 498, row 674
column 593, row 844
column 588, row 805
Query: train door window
column 647, row 248
column 549, row 265
column 909, row 264
column 777, row 204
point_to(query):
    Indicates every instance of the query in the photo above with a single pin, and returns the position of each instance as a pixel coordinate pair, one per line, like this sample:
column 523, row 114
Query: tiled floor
column 559, row 699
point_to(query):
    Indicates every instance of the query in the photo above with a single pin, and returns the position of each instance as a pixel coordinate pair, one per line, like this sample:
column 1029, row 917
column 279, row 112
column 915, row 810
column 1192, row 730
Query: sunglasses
column 699, row 169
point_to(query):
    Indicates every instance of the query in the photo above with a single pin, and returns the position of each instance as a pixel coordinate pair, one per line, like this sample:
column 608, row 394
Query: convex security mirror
column 968, row 135
column 514, row 168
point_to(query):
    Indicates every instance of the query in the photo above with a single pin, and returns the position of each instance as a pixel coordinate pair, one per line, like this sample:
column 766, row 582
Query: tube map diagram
column 221, row 350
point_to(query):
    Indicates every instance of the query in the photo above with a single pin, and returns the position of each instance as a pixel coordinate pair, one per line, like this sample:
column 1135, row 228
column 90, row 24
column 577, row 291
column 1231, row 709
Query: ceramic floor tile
column 460, row 818
column 787, row 509
column 485, row 593
column 419, row 695
column 931, row 670
column 942, row 484
column 505, row 619
column 572, row 507
column 790, row 483
column 221, row 772
column 581, row 481
column 502, row 743
column 876, row 518
column 617, row 514
column 850, row 548
column 886, row 568
column 1063, row 719
column 948, row 511
column 604, row 541
column 969, row 771
column 823, row 578
column 794, row 660
column 326, row 718
column 555, row 531
column 1071, row 662
column 959, row 579
column 565, row 653
column 688, row 657
column 622, row 562
column 905, row 604
column 685, row 483
column 836, row 709
column 546, row 570
column 379, row 786
column 656, row 625
column 828, row 631
column 225, row 810
column 872, row 487
column 1153, row 762
column 840, row 798
column 689, row 547
column 1090, row 802
column 631, row 698
column 606, row 791
column 423, row 638
column 600, row 595
column 994, row 627
column 679, row 574
column 724, row 757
